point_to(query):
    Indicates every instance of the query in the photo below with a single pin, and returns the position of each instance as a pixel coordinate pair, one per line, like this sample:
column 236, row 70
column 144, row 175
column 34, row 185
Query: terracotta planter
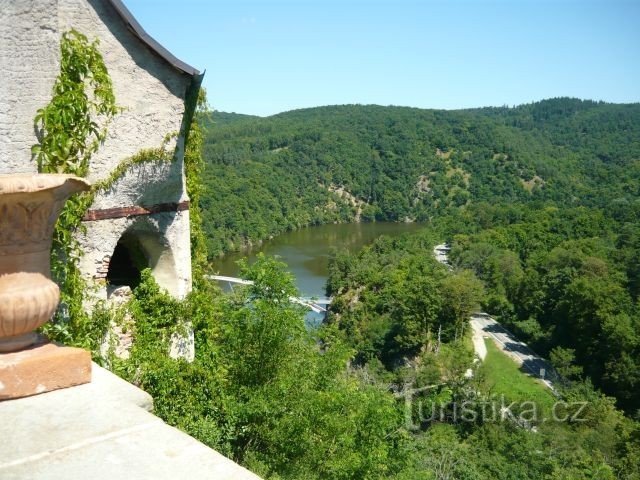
column 29, row 208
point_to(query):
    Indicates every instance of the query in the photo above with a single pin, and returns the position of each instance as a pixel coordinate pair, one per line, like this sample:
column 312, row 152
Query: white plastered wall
column 151, row 93
column 29, row 64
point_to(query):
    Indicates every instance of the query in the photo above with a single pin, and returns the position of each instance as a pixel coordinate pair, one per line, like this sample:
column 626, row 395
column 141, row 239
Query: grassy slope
column 506, row 378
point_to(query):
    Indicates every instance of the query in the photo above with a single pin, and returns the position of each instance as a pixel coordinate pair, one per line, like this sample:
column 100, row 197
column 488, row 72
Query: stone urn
column 29, row 208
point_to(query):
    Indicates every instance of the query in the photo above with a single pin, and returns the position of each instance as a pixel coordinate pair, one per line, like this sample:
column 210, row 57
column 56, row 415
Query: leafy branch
column 67, row 130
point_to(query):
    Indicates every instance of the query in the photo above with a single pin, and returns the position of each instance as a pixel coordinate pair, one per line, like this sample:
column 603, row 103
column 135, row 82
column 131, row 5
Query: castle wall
column 151, row 92
column 29, row 64
column 165, row 238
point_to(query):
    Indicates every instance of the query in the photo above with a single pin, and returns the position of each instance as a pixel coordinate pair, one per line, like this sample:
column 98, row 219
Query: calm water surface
column 306, row 251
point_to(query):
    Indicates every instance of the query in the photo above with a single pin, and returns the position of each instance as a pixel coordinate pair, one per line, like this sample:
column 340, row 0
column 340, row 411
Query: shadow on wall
column 139, row 52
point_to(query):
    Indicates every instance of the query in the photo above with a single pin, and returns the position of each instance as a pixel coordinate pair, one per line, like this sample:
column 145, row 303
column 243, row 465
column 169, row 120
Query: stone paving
column 101, row 430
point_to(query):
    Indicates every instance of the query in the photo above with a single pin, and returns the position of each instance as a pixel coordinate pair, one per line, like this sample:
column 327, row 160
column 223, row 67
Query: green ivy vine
column 193, row 168
column 74, row 123
column 69, row 130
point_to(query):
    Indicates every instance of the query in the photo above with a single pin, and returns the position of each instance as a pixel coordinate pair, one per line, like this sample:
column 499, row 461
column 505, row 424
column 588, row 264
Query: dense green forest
column 402, row 313
column 341, row 163
column 540, row 205
column 566, row 281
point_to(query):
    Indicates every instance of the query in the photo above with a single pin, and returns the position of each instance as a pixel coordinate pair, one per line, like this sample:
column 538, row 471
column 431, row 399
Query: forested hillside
column 540, row 205
column 342, row 163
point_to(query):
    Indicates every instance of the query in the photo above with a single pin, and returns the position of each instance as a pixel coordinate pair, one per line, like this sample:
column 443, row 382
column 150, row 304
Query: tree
column 563, row 360
column 461, row 294
column 414, row 305
column 296, row 411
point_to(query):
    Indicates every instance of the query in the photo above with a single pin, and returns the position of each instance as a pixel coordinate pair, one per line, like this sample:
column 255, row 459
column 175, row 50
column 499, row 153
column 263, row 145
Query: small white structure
column 441, row 253
column 143, row 219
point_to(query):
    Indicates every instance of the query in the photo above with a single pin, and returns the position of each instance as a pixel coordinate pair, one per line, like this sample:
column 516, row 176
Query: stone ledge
column 42, row 368
column 107, row 385
column 103, row 431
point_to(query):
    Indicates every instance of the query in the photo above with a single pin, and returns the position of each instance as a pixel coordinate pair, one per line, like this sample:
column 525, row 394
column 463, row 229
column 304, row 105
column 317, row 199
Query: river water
column 306, row 251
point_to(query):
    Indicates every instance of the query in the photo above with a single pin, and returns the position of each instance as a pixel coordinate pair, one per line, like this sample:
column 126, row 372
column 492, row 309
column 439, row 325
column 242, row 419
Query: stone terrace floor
column 101, row 430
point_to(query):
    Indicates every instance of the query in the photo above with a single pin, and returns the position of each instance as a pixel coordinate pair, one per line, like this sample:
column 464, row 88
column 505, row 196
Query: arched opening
column 136, row 250
column 127, row 261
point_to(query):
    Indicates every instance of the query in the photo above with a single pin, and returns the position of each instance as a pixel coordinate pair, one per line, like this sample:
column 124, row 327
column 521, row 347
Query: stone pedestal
column 42, row 368
column 29, row 364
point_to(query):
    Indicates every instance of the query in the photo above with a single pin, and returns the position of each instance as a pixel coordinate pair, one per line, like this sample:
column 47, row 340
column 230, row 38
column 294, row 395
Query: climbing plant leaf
column 73, row 125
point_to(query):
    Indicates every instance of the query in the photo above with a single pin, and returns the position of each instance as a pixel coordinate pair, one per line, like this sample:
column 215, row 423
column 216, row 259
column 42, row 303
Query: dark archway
column 137, row 249
column 127, row 261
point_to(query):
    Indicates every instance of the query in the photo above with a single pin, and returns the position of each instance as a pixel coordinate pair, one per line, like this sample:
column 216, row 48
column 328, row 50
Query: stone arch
column 143, row 246
column 127, row 262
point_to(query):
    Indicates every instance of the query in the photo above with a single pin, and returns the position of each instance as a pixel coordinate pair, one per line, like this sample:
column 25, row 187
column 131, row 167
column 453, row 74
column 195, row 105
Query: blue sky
column 265, row 57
